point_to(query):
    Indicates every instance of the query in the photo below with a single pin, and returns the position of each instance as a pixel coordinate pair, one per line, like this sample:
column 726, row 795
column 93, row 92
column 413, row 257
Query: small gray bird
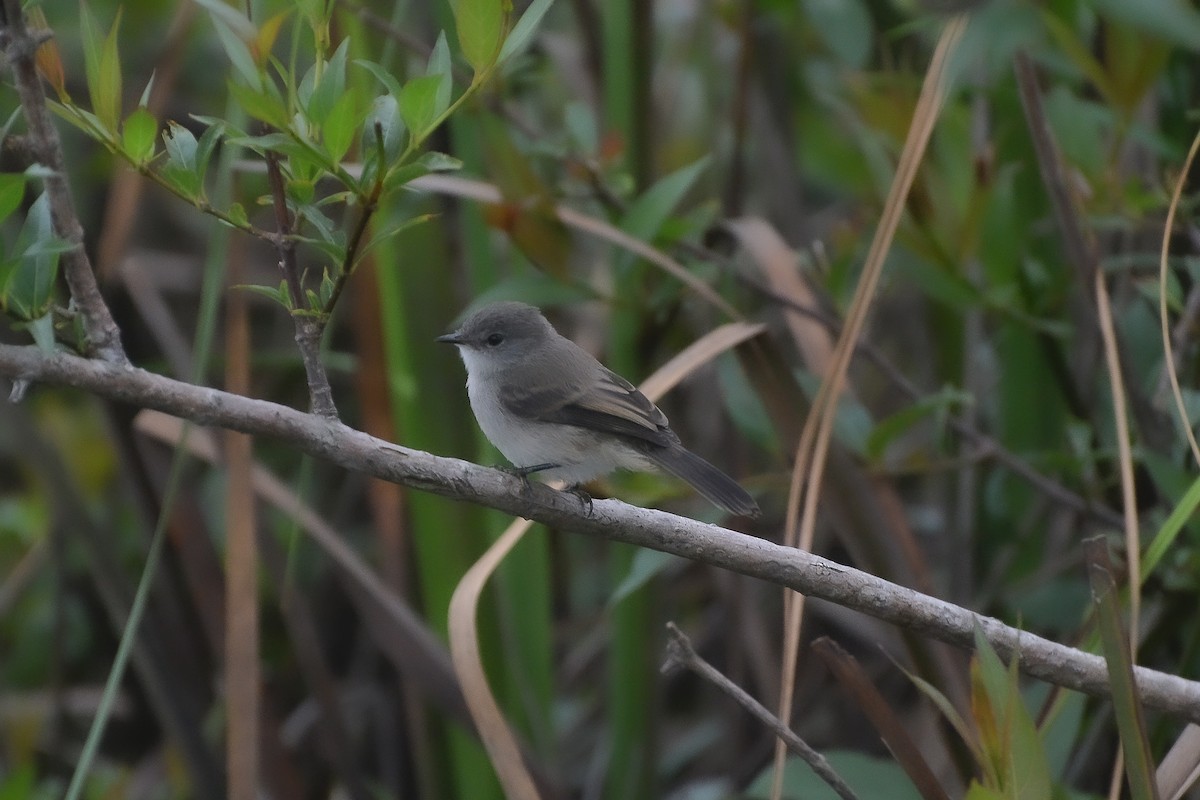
column 550, row 407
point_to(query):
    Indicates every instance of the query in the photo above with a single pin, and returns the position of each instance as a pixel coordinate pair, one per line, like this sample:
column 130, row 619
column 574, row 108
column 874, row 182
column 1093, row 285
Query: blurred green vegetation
column 977, row 436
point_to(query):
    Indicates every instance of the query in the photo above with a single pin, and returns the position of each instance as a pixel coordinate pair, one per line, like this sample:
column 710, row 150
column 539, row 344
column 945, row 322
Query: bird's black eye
column 494, row 339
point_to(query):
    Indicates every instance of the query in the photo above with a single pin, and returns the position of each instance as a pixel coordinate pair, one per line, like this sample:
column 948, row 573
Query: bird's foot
column 585, row 499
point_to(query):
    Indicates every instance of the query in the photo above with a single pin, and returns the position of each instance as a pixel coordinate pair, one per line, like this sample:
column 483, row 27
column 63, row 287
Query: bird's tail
column 706, row 479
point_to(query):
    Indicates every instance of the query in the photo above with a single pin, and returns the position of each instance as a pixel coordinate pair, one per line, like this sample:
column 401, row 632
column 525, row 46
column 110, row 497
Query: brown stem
column 308, row 327
column 103, row 338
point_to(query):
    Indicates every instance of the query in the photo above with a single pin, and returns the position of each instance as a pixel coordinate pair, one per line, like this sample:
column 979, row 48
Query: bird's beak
column 451, row 338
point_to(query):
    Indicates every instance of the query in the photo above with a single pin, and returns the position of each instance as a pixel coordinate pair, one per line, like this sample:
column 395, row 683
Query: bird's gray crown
column 509, row 320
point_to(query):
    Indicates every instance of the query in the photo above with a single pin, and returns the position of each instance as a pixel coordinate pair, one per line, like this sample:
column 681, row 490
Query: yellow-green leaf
column 481, row 30
column 102, row 62
column 138, row 136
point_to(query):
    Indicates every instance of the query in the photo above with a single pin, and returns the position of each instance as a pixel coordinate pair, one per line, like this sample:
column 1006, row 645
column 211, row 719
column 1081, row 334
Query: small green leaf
column 439, row 64
column 433, row 161
column 279, row 295
column 235, row 32
column 385, row 112
column 327, row 287
column 181, row 146
column 265, row 105
column 480, row 29
column 418, row 103
column 180, row 168
column 522, row 32
column 42, row 331
column 102, row 64
column 29, row 287
column 12, row 192
column 338, row 129
column 388, row 233
column 138, row 136
column 647, row 214
column 301, row 191
column 237, row 213
column 206, row 146
column 264, row 41
column 330, row 87
column 382, row 75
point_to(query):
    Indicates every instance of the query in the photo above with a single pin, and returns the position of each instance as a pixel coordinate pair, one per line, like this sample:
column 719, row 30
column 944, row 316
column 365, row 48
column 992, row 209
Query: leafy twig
column 308, row 327
column 103, row 338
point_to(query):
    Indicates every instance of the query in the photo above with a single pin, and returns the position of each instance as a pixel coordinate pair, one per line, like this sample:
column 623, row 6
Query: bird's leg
column 524, row 472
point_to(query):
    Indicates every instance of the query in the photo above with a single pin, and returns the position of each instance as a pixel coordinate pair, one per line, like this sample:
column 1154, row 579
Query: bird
column 551, row 408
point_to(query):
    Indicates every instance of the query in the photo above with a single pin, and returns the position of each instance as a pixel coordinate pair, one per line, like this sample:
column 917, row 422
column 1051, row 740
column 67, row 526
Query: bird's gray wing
column 607, row 403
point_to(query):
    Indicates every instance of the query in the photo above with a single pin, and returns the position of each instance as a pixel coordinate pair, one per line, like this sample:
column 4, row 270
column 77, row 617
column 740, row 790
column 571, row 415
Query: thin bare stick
column 103, row 338
column 681, row 655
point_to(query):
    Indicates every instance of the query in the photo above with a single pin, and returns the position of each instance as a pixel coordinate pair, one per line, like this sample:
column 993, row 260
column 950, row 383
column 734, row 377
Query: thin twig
column 681, row 655
column 610, row 519
column 103, row 338
column 308, row 328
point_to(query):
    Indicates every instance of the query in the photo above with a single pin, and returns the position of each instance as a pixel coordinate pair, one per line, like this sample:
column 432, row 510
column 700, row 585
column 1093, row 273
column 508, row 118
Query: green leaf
column 1020, row 764
column 180, row 168
column 42, row 331
column 12, row 192
column 138, row 136
column 29, row 287
column 1169, row 531
column 338, row 129
column 327, row 286
column 522, row 32
column 647, row 214
column 418, row 103
column 237, row 213
column 384, row 113
column 279, row 295
column 382, row 75
column 265, row 105
column 331, row 87
column 235, row 32
column 886, row 430
column 102, row 64
column 207, row 146
column 440, row 64
column 480, row 28
column 181, row 146
column 388, row 233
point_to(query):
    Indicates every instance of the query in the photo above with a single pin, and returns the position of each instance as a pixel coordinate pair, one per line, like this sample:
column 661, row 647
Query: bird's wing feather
column 608, row 403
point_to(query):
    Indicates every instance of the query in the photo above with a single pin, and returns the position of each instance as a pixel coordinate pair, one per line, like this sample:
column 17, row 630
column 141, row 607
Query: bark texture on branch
column 611, row 519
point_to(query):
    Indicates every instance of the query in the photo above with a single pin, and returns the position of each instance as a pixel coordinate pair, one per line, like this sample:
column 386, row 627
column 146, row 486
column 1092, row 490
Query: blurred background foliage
column 752, row 141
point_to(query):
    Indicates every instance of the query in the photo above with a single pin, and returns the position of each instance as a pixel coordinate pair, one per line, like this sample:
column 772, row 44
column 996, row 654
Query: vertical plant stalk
column 814, row 439
column 103, row 338
column 241, row 570
column 1080, row 248
column 308, row 327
